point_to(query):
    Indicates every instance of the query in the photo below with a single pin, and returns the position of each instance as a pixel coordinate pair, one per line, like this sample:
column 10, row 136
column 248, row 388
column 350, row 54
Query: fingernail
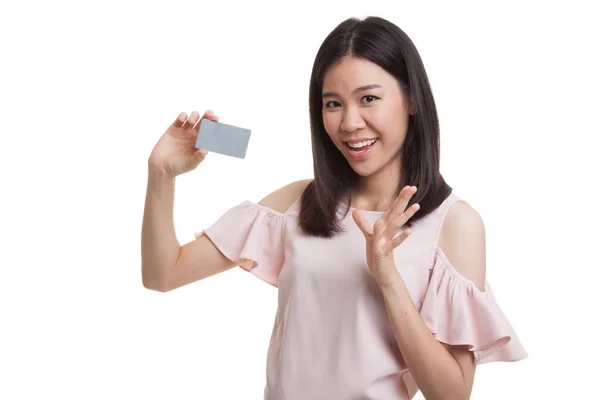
column 209, row 112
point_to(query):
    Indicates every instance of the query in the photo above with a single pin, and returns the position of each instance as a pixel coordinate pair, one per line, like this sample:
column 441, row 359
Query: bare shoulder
column 460, row 218
column 281, row 199
column 462, row 239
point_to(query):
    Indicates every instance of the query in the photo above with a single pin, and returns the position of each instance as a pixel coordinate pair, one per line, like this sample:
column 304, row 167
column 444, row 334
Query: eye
column 371, row 97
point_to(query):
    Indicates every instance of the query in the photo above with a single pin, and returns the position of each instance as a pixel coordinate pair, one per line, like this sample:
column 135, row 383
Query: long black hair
column 385, row 44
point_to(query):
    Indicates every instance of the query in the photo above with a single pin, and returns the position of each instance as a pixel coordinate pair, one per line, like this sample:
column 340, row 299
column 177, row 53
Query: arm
column 441, row 371
column 165, row 264
column 160, row 248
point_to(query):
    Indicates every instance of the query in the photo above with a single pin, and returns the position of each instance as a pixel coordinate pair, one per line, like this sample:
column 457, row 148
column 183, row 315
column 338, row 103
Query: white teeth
column 362, row 144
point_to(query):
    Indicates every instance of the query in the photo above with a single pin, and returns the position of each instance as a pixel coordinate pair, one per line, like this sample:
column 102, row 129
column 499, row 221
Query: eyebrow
column 367, row 87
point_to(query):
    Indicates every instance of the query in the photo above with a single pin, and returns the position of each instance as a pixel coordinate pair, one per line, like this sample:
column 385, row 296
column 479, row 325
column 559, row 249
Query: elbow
column 155, row 287
column 154, row 283
column 445, row 397
column 462, row 395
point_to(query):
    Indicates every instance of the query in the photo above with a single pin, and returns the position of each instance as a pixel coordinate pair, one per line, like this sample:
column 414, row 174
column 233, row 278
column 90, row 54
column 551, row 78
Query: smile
column 360, row 150
column 361, row 145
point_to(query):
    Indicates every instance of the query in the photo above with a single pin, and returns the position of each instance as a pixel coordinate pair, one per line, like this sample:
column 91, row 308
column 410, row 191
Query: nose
column 352, row 120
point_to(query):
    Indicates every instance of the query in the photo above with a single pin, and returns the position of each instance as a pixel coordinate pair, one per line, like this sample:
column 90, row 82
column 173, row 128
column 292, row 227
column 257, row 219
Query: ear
column 412, row 109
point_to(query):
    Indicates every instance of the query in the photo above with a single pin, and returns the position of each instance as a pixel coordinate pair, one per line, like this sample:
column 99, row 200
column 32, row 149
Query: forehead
column 351, row 72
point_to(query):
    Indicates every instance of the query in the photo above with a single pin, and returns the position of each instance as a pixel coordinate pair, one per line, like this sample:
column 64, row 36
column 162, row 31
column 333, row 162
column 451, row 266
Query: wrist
column 390, row 281
column 159, row 180
column 157, row 173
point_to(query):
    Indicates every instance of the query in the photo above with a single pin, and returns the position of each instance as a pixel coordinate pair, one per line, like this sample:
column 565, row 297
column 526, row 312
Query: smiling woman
column 377, row 306
column 373, row 118
column 368, row 83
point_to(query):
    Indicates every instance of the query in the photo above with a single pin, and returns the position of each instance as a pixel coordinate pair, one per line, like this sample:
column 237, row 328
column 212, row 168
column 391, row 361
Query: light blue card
column 222, row 138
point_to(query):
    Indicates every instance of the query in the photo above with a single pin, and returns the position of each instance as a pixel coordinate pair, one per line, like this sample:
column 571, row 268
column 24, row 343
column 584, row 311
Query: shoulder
column 462, row 239
column 281, row 199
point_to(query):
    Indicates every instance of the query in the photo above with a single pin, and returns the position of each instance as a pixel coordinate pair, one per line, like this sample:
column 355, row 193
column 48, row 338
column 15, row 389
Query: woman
column 376, row 306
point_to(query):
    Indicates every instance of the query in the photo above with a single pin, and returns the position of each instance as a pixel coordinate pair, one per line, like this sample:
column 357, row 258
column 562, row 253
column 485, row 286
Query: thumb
column 362, row 223
column 199, row 155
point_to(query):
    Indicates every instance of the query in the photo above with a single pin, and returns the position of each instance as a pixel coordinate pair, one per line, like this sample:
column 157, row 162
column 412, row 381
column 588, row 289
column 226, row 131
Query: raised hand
column 174, row 153
column 381, row 238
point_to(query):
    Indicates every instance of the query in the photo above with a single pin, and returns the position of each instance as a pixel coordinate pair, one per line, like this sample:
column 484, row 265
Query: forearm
column 435, row 371
column 160, row 247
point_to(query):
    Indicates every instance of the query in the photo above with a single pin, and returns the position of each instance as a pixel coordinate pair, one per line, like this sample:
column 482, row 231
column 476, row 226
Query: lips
column 360, row 143
column 362, row 151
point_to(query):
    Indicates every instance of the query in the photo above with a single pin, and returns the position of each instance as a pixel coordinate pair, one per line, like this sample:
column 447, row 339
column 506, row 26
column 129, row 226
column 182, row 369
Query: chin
column 371, row 167
column 363, row 170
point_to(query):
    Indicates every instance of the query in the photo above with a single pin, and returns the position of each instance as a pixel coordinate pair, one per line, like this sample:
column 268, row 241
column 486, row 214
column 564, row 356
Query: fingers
column 400, row 238
column 398, row 222
column 401, row 201
column 207, row 115
column 178, row 123
column 398, row 214
column 191, row 121
column 404, row 197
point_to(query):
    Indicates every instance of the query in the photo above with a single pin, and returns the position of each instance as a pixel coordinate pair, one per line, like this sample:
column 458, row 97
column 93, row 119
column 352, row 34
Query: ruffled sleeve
column 252, row 236
column 458, row 313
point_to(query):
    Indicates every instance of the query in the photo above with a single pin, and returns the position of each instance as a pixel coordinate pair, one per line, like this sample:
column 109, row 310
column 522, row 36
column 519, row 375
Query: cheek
column 384, row 116
column 330, row 123
column 391, row 125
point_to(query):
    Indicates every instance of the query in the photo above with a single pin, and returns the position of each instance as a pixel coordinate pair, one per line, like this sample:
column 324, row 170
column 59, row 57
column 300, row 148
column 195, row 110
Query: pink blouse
column 332, row 338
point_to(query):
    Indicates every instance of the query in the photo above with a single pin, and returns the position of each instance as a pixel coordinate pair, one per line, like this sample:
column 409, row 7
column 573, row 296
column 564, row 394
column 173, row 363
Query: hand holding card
column 222, row 138
column 174, row 154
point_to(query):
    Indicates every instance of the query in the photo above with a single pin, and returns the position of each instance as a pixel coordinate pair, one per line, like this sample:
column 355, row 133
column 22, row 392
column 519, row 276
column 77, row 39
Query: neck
column 378, row 191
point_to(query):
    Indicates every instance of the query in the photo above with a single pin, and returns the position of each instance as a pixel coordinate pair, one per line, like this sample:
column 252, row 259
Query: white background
column 87, row 88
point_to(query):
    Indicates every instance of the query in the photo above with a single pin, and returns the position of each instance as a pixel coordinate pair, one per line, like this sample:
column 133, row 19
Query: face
column 365, row 114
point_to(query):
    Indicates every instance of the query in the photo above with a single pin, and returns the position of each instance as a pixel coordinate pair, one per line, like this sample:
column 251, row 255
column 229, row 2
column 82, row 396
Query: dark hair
column 385, row 44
